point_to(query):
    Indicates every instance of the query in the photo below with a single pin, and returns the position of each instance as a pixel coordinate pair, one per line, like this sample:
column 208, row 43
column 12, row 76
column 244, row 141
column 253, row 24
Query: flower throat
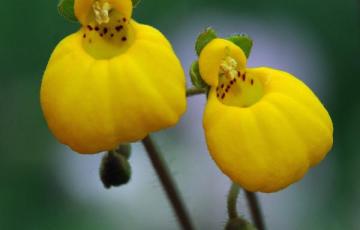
column 236, row 87
column 107, row 33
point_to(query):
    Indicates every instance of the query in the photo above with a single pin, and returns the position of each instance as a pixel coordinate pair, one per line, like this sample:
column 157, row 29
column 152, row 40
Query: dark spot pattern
column 225, row 86
column 114, row 29
column 118, row 28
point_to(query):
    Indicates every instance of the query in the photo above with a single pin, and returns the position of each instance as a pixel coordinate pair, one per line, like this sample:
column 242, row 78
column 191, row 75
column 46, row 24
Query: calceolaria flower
column 264, row 128
column 113, row 81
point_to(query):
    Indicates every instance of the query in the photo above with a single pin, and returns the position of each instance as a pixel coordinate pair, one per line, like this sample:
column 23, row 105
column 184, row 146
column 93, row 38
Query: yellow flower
column 264, row 128
column 113, row 81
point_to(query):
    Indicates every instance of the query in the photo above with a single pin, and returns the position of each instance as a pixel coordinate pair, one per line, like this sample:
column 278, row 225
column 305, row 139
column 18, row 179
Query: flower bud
column 115, row 170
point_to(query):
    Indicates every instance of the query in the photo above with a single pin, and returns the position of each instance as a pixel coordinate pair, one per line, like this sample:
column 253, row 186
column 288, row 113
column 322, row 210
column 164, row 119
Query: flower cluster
column 115, row 81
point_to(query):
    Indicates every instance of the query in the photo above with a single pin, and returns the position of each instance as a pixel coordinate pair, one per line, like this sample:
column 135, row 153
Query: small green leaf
column 66, row 9
column 243, row 41
column 196, row 79
column 135, row 3
column 204, row 38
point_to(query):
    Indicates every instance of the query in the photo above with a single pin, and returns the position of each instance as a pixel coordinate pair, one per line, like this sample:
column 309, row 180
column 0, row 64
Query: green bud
column 124, row 150
column 66, row 9
column 204, row 38
column 239, row 224
column 196, row 79
column 243, row 41
column 115, row 170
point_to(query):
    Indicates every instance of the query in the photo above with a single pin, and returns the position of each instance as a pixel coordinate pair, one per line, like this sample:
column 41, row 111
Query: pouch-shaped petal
column 93, row 103
column 272, row 143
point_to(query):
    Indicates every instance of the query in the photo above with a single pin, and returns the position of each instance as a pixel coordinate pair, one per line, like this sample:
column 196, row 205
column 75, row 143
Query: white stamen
column 101, row 10
column 228, row 68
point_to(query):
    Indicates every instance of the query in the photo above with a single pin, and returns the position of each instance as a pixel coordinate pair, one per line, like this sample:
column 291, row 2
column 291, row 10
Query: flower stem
column 167, row 183
column 255, row 210
column 194, row 91
column 231, row 201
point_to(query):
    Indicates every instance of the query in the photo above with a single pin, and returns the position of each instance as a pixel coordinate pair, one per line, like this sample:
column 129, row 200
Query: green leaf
column 243, row 41
column 66, row 9
column 204, row 38
column 135, row 3
column 196, row 79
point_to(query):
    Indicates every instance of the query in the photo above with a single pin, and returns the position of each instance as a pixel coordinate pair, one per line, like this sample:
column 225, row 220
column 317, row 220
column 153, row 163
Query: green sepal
column 196, row 79
column 115, row 170
column 243, row 41
column 66, row 9
column 125, row 150
column 204, row 38
column 135, row 3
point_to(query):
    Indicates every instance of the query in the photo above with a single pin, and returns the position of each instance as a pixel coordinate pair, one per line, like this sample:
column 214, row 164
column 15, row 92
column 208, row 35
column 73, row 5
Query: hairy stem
column 194, row 91
column 255, row 210
column 231, row 201
column 167, row 183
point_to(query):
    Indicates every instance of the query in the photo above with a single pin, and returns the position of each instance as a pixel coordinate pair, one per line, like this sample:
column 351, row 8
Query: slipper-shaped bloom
column 113, row 81
column 264, row 128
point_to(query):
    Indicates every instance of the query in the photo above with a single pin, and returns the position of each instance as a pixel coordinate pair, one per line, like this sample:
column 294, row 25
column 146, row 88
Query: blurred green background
column 46, row 186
